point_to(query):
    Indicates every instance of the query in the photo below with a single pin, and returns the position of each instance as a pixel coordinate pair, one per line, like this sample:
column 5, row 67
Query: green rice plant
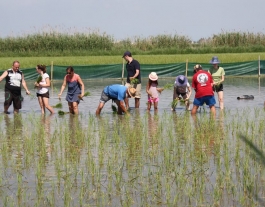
column 174, row 103
column 58, row 106
column 87, row 93
column 134, row 81
column 60, row 112
column 168, row 86
column 114, row 109
column 39, row 79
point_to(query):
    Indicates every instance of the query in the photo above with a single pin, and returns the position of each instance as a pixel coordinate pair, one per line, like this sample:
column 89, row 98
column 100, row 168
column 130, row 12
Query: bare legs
column 137, row 102
column 221, row 99
column 44, row 103
column 73, row 107
column 150, row 104
column 100, row 106
column 195, row 108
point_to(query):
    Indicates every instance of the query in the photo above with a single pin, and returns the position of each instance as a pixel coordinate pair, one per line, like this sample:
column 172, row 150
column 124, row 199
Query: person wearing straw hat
column 117, row 93
column 202, row 82
column 153, row 91
column 218, row 75
column 133, row 77
column 182, row 88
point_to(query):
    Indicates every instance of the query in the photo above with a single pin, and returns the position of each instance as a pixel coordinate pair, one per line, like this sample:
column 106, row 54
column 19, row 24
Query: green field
column 31, row 62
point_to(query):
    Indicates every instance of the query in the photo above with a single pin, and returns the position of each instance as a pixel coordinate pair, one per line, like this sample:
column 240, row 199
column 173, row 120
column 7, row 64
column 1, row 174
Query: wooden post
column 52, row 77
column 52, row 71
column 186, row 73
column 259, row 66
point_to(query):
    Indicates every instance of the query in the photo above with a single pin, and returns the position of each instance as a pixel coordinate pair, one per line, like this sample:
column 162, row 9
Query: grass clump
column 94, row 43
column 58, row 106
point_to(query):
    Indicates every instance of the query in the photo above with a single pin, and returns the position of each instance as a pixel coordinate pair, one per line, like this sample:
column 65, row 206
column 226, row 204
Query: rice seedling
column 114, row 109
column 60, row 112
column 174, row 103
column 87, row 93
column 165, row 159
column 39, row 79
column 58, row 106
column 168, row 86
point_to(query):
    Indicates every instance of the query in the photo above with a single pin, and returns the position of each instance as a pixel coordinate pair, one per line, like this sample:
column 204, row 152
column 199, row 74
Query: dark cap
column 127, row 53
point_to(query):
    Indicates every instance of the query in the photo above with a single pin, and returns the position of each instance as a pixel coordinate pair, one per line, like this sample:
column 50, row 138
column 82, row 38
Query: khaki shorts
column 138, row 89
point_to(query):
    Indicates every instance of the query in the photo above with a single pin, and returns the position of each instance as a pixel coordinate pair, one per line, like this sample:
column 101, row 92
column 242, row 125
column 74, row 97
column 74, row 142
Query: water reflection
column 75, row 139
column 14, row 138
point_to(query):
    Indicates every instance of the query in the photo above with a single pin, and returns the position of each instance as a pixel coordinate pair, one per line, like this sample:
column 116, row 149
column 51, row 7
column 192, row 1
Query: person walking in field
column 153, row 91
column 118, row 93
column 182, row 88
column 43, row 83
column 133, row 77
column 14, row 79
column 218, row 75
column 202, row 82
column 76, row 89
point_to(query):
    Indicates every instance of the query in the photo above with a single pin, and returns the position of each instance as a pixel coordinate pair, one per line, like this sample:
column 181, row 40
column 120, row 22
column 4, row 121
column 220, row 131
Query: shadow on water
column 258, row 155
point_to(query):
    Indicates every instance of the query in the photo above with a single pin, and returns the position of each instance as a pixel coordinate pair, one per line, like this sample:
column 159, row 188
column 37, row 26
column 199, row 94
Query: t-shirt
column 116, row 91
column 13, row 81
column 43, row 89
column 202, row 83
column 181, row 89
column 131, row 70
column 217, row 73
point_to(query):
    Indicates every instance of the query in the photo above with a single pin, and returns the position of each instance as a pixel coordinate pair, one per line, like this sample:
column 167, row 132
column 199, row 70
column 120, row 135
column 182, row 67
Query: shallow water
column 233, row 88
column 71, row 153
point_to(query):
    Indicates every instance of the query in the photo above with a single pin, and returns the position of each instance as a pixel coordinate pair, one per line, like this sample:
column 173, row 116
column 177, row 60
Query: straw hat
column 153, row 76
column 132, row 92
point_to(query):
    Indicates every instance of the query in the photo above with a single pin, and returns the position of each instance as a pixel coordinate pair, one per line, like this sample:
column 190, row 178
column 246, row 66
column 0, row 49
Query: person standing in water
column 43, row 89
column 218, row 75
column 75, row 91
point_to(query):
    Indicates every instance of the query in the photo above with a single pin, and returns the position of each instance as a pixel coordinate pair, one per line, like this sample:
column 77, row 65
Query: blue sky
column 137, row 18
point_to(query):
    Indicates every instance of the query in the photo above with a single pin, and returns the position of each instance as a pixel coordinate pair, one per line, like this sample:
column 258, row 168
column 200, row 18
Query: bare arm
column 189, row 92
column 63, row 86
column 25, row 85
column 174, row 93
column 147, row 89
column 47, row 84
column 159, row 89
column 136, row 74
column 3, row 75
column 122, row 106
column 82, row 86
column 222, row 80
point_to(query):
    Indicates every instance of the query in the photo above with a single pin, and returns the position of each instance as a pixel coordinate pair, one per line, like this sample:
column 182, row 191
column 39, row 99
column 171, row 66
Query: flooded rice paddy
column 145, row 159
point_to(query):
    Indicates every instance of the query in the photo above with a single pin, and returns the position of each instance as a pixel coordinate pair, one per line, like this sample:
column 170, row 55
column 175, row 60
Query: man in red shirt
column 202, row 82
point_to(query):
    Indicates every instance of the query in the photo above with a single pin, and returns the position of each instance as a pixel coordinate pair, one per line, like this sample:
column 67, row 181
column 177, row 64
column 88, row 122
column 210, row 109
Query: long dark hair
column 150, row 82
column 42, row 68
column 70, row 68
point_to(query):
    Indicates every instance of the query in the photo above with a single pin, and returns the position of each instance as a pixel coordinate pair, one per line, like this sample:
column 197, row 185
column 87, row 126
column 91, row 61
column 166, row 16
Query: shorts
column 16, row 99
column 208, row 100
column 153, row 100
column 44, row 95
column 218, row 88
column 104, row 97
column 183, row 95
column 138, row 89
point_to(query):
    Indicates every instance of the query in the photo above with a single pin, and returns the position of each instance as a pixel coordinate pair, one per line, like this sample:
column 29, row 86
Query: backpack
column 181, row 89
